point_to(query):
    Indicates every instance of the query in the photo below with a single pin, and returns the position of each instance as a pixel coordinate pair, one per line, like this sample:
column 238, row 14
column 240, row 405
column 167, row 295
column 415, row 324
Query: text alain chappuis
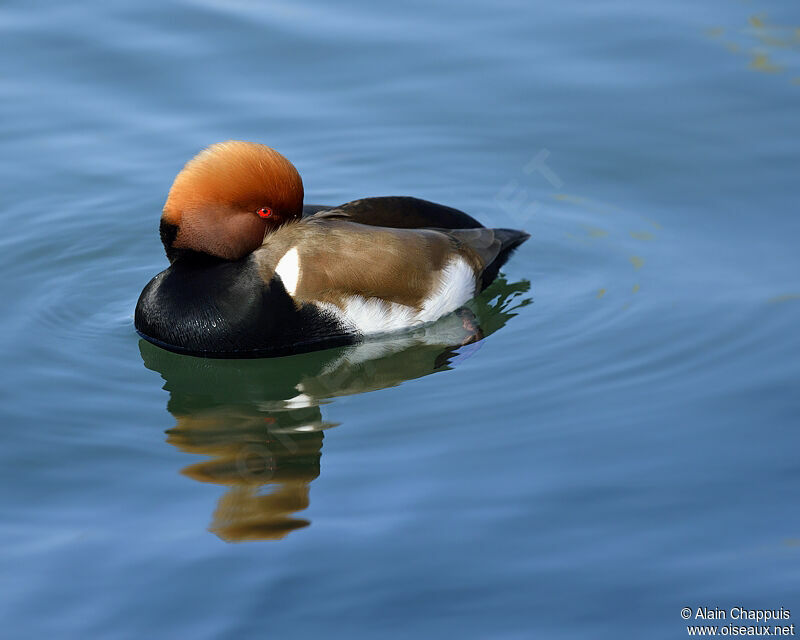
column 735, row 613
column 741, row 624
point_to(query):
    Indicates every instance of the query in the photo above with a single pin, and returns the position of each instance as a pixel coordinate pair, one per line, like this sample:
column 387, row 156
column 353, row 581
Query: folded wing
column 378, row 279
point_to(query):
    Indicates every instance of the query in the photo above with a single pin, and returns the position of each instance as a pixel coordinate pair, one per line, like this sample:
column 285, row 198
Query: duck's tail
column 492, row 247
column 509, row 239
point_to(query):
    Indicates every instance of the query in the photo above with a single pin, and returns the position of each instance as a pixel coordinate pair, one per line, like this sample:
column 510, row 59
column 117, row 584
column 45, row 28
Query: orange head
column 227, row 198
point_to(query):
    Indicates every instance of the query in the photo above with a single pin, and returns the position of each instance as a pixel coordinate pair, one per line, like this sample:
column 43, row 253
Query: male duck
column 254, row 273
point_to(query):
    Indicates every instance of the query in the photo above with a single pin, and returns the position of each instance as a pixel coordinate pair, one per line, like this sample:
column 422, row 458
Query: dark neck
column 192, row 258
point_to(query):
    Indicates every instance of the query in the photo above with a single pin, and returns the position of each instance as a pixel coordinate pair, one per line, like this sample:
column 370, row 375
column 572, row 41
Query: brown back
column 339, row 258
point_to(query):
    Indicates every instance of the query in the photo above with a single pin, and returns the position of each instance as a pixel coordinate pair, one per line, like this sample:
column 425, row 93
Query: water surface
column 617, row 441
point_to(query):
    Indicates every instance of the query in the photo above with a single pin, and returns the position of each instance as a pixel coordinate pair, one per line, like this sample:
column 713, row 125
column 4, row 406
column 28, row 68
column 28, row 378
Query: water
column 621, row 444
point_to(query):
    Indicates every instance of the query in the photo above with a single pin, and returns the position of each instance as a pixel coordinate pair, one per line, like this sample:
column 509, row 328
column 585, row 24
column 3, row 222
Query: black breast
column 217, row 308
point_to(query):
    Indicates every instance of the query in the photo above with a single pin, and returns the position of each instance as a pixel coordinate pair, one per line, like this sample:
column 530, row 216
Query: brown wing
column 338, row 258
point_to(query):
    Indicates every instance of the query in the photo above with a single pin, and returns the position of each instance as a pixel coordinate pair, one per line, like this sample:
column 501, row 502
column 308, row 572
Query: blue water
column 622, row 443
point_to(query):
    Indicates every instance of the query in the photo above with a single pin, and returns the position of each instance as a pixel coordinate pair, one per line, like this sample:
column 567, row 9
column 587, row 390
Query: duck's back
column 399, row 212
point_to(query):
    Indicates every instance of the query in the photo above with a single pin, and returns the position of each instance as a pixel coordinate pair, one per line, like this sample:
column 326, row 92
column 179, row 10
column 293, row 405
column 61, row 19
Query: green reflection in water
column 261, row 422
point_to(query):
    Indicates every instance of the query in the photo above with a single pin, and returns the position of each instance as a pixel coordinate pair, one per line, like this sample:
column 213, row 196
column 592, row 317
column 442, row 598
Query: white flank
column 289, row 270
column 455, row 285
column 372, row 315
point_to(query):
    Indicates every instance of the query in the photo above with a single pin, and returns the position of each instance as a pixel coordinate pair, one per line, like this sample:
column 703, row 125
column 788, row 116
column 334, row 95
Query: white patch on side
column 369, row 316
column 456, row 286
column 288, row 269
column 372, row 315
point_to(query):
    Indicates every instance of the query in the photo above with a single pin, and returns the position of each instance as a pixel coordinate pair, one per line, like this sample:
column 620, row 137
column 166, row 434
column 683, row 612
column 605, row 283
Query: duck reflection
column 261, row 421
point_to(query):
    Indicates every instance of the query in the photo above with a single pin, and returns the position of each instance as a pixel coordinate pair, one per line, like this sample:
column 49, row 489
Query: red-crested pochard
column 254, row 273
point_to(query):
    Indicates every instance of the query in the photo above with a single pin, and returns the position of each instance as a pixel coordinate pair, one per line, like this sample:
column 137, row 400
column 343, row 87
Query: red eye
column 264, row 212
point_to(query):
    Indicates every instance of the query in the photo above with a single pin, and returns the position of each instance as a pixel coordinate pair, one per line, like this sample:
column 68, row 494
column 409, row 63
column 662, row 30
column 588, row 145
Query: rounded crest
column 214, row 203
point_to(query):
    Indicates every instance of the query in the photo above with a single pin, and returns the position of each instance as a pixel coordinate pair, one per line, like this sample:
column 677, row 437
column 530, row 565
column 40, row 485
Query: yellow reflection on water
column 595, row 232
column 762, row 40
column 762, row 62
column 591, row 235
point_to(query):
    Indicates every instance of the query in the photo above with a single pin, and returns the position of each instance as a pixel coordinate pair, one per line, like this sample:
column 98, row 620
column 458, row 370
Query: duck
column 254, row 272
